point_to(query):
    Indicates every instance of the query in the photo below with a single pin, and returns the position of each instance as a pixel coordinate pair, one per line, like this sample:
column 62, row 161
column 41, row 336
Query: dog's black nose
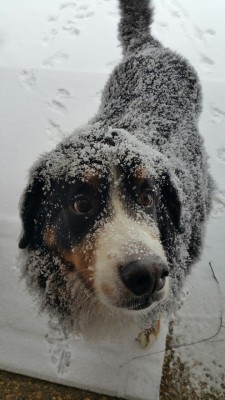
column 144, row 276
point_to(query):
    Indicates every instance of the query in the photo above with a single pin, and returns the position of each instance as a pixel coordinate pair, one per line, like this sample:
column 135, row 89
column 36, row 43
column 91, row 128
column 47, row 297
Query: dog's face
column 109, row 229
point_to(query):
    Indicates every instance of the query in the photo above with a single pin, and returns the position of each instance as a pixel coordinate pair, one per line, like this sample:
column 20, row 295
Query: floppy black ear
column 171, row 202
column 30, row 206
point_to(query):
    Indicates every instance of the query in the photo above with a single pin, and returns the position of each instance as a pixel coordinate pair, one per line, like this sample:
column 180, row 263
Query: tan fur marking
column 148, row 336
column 141, row 173
column 90, row 176
column 108, row 291
column 83, row 260
column 49, row 237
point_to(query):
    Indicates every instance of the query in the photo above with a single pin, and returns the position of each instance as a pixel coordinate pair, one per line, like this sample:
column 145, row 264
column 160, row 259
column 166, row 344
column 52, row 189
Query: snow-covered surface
column 55, row 58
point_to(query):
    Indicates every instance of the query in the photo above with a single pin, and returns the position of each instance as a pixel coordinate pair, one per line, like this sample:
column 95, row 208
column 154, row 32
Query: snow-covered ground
column 55, row 57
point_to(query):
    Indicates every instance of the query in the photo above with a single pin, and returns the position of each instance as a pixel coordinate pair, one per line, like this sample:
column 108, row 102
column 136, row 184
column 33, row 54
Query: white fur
column 122, row 239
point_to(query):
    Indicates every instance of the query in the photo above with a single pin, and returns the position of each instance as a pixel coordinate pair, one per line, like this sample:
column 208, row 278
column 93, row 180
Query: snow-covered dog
column 114, row 216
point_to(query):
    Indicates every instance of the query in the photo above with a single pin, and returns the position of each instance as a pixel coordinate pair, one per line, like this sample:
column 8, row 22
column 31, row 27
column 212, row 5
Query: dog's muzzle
column 131, row 267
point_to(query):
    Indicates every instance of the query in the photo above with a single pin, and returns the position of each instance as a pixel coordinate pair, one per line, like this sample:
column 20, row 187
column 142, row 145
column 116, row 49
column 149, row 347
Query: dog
column 115, row 215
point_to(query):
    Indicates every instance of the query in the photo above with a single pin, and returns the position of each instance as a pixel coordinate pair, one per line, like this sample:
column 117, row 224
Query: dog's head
column 103, row 211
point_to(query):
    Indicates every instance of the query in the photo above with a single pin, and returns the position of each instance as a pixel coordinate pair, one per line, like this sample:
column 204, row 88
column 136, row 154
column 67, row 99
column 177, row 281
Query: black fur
column 136, row 17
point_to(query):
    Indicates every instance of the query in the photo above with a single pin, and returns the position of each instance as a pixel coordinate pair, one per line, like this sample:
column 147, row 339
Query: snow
column 44, row 95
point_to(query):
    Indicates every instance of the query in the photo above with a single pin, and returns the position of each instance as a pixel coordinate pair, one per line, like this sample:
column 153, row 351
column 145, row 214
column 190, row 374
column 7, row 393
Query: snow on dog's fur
column 114, row 216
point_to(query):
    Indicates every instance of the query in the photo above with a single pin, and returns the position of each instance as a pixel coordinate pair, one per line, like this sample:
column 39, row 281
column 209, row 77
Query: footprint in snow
column 58, row 347
column 55, row 58
column 217, row 115
column 52, row 18
column 210, row 31
column 27, row 78
column 52, row 29
column 63, row 93
column 205, row 59
column 83, row 15
column 54, row 133
column 218, row 204
column 71, row 28
column 182, row 10
column 199, row 38
column 56, row 105
column 221, row 154
column 70, row 4
column 57, row 102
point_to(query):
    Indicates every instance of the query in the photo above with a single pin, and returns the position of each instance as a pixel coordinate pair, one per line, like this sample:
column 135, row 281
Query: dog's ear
column 171, row 202
column 30, row 206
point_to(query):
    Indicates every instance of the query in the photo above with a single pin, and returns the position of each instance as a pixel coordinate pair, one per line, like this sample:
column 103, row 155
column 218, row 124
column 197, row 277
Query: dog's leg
column 148, row 336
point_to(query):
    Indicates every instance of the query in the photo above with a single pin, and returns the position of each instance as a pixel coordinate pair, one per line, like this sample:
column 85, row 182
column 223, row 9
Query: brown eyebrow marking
column 140, row 175
column 90, row 176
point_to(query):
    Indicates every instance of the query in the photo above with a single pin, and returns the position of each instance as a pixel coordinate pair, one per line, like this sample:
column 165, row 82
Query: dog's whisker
column 87, row 299
column 90, row 311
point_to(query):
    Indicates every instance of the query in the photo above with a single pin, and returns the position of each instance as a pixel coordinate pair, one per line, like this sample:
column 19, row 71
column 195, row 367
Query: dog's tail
column 136, row 17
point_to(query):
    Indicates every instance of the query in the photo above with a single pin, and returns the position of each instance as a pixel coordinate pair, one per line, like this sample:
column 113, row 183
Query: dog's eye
column 82, row 205
column 146, row 199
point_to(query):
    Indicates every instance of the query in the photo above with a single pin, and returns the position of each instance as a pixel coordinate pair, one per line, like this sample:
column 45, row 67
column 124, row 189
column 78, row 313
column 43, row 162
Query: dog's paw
column 148, row 336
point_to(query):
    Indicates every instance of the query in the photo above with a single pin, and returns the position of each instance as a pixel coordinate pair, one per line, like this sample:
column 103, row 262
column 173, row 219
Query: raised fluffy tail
column 136, row 17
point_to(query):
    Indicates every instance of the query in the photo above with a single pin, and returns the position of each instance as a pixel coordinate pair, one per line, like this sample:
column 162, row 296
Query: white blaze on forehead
column 123, row 236
column 126, row 234
column 122, row 240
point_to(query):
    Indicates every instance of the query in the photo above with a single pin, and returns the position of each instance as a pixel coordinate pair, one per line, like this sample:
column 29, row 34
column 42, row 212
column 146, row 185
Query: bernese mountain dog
column 114, row 215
